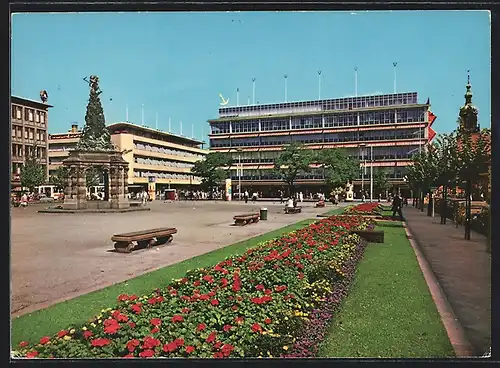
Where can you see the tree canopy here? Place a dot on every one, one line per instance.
(213, 170)
(291, 162)
(32, 173)
(58, 179)
(338, 167)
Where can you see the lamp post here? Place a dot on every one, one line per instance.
(362, 146)
(371, 173)
(239, 173)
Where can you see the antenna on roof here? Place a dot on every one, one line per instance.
(126, 114)
(181, 127)
(156, 126)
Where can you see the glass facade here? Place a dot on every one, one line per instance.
(409, 98)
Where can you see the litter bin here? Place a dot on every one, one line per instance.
(263, 214)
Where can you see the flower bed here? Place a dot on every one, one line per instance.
(370, 208)
(275, 300)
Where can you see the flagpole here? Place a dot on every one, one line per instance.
(192, 131)
(286, 88)
(169, 125)
(395, 64)
(142, 113)
(253, 91)
(356, 81)
(319, 84)
(126, 113)
(156, 124)
(237, 97)
(181, 128)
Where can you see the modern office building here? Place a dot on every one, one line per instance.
(393, 127)
(154, 156)
(29, 123)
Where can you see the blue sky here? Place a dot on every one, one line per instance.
(176, 64)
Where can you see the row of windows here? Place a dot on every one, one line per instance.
(29, 114)
(166, 151)
(316, 122)
(156, 136)
(335, 104)
(18, 151)
(269, 175)
(162, 175)
(157, 162)
(344, 137)
(29, 133)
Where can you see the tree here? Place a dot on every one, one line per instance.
(93, 176)
(380, 182)
(338, 167)
(424, 171)
(59, 178)
(32, 173)
(474, 161)
(95, 135)
(213, 170)
(291, 162)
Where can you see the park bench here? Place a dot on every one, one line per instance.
(242, 220)
(126, 243)
(371, 236)
(292, 210)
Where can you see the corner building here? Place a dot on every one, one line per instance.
(393, 127)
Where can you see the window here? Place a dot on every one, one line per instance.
(18, 112)
(42, 117)
(30, 114)
(19, 133)
(31, 134)
(25, 133)
(13, 132)
(37, 116)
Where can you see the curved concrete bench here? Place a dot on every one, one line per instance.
(127, 242)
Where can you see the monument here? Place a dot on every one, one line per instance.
(96, 152)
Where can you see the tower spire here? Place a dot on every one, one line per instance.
(468, 112)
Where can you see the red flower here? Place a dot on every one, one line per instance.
(150, 342)
(137, 308)
(204, 297)
(214, 302)
(260, 287)
(267, 291)
(146, 353)
(179, 341)
(173, 292)
(155, 321)
(177, 318)
(185, 310)
(300, 275)
(31, 354)
(256, 327)
(155, 330)
(227, 328)
(44, 340)
(62, 333)
(227, 349)
(201, 327)
(234, 307)
(196, 283)
(111, 326)
(23, 344)
(87, 334)
(100, 342)
(217, 345)
(189, 349)
(208, 278)
(170, 347)
(132, 297)
(218, 354)
(131, 324)
(132, 344)
(224, 282)
(267, 321)
(122, 297)
(211, 337)
(281, 288)
(129, 356)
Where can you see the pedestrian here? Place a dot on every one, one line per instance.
(396, 207)
(281, 197)
(301, 197)
(245, 196)
(254, 197)
(24, 201)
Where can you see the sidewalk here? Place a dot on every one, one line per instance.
(463, 270)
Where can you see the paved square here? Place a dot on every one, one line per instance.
(55, 257)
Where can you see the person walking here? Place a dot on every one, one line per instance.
(396, 207)
(245, 196)
(301, 197)
(24, 201)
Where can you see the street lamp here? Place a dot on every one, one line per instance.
(239, 173)
(362, 146)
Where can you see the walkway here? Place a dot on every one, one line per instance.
(463, 270)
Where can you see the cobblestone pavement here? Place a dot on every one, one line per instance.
(56, 257)
(463, 270)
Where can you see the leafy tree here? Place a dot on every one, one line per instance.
(424, 171)
(95, 135)
(58, 179)
(380, 182)
(338, 167)
(213, 170)
(32, 173)
(291, 162)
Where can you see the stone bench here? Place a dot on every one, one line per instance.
(249, 218)
(126, 243)
(371, 236)
(292, 210)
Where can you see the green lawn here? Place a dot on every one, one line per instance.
(33, 326)
(389, 311)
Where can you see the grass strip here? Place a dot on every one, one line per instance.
(389, 311)
(48, 321)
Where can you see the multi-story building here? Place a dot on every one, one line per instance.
(29, 122)
(393, 127)
(166, 157)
